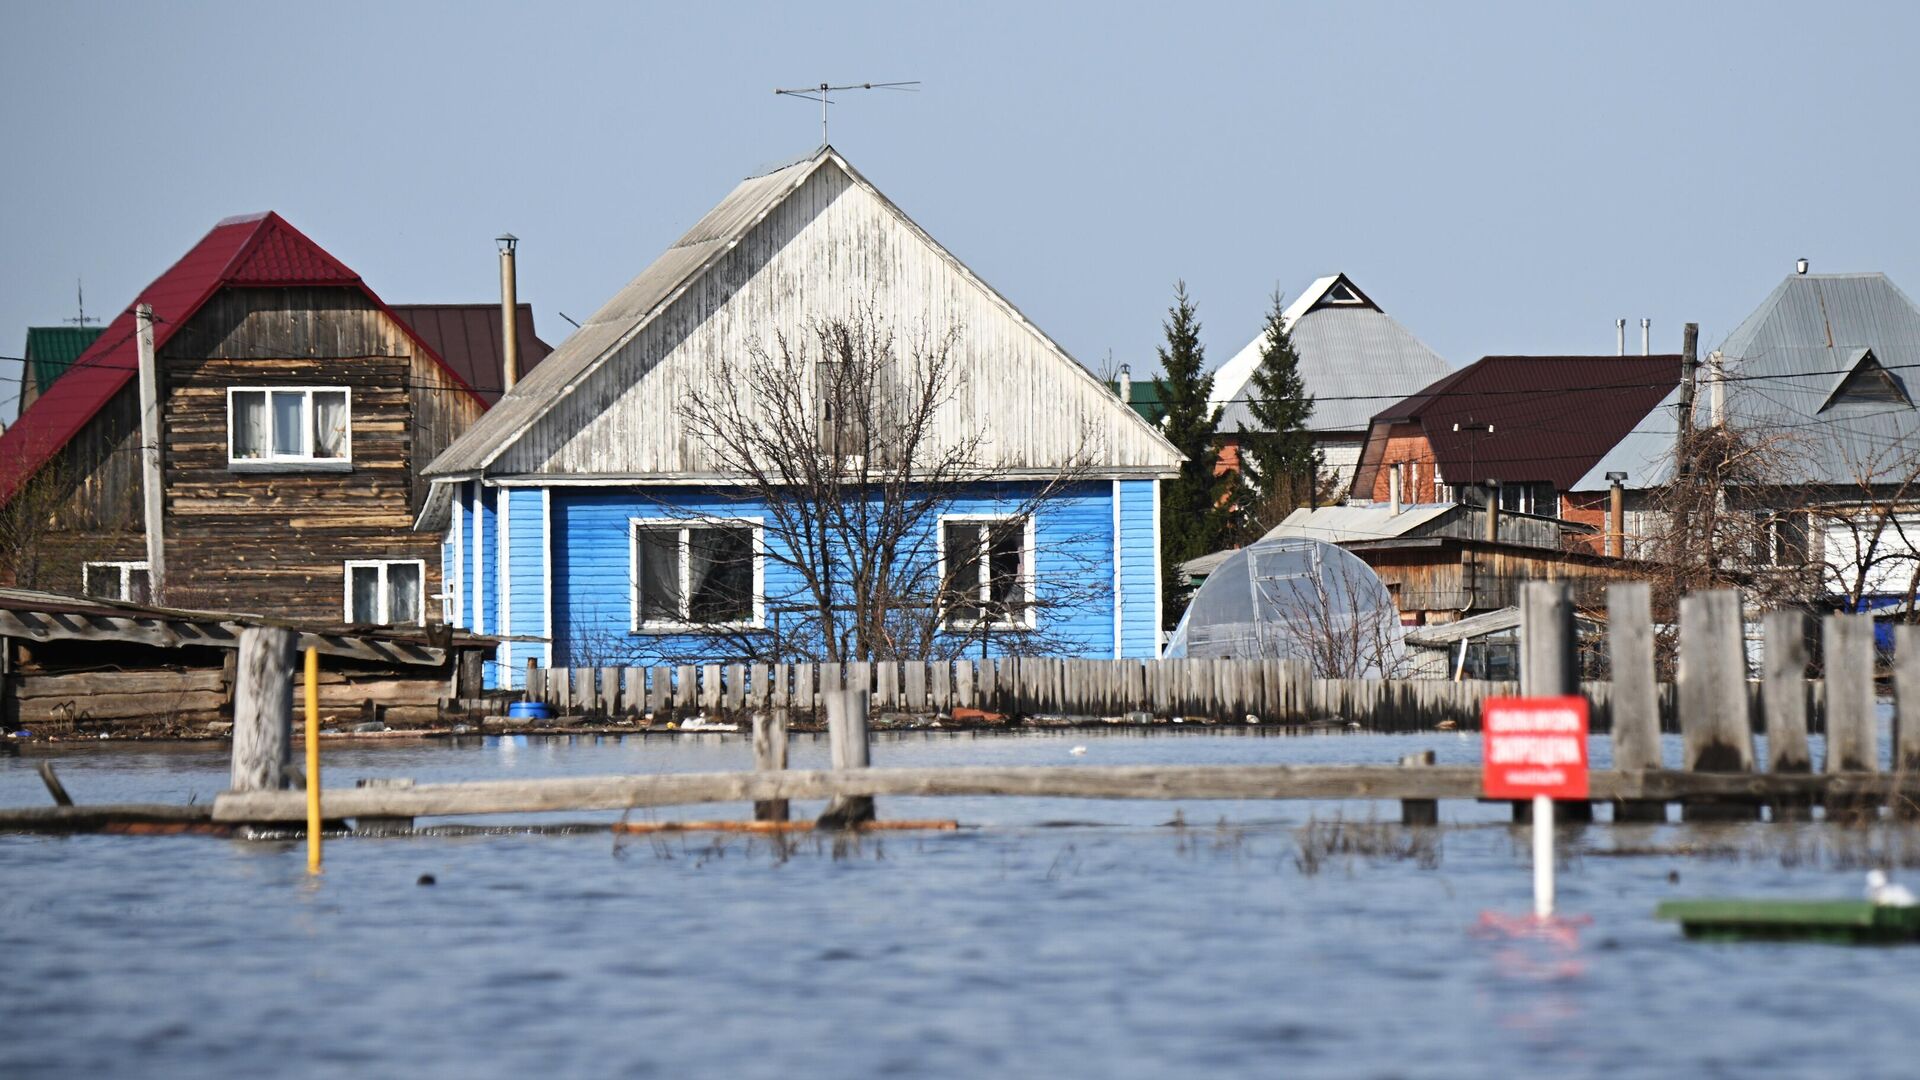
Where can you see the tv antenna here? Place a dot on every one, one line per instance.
(80, 297)
(822, 94)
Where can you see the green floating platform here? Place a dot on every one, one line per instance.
(1851, 922)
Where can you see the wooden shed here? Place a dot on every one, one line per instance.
(79, 666)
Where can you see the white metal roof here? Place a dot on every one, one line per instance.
(1354, 359)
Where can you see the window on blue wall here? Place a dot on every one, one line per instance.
(696, 574)
(987, 570)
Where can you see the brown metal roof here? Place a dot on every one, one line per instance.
(467, 337)
(1552, 416)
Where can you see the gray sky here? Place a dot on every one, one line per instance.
(1501, 178)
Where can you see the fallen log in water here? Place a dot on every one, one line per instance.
(107, 817)
(1191, 782)
(645, 828)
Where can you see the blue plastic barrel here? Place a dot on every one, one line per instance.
(530, 710)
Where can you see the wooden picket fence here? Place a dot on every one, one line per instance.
(1220, 691)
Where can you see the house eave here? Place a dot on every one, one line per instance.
(711, 479)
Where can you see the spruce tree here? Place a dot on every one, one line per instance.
(1194, 506)
(1279, 466)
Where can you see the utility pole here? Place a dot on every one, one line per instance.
(152, 503)
(1683, 435)
(1689, 376)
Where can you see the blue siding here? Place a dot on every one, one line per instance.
(1074, 545)
(1139, 559)
(487, 575)
(527, 590)
(447, 555)
(1073, 565)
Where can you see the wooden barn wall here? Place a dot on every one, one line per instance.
(100, 469)
(277, 543)
(442, 411)
(1442, 583)
(829, 251)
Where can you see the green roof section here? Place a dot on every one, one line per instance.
(51, 350)
(1144, 396)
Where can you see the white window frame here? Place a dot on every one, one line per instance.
(1028, 617)
(757, 621)
(304, 461)
(386, 598)
(124, 569)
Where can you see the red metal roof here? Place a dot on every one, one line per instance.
(1553, 417)
(467, 337)
(255, 251)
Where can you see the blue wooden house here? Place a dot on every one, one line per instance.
(583, 522)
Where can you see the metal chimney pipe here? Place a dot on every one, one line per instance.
(1393, 488)
(1619, 337)
(1617, 515)
(1646, 337)
(509, 314)
(1126, 385)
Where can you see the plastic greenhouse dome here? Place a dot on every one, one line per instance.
(1291, 598)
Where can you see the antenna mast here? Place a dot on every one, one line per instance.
(822, 94)
(80, 294)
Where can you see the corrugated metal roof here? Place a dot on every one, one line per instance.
(1552, 416)
(468, 339)
(622, 316)
(1782, 363)
(633, 308)
(1336, 525)
(1351, 354)
(259, 250)
(51, 350)
(1440, 635)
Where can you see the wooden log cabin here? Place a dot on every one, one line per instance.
(296, 412)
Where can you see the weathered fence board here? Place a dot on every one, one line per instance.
(1161, 782)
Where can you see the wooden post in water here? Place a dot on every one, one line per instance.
(1852, 746)
(1549, 666)
(1419, 811)
(736, 689)
(1714, 720)
(1847, 652)
(770, 755)
(660, 692)
(847, 745)
(263, 710)
(1906, 710)
(1634, 698)
(1783, 701)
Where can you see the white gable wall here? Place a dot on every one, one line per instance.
(826, 252)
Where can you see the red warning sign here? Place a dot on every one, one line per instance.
(1535, 746)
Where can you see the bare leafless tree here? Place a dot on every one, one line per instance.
(846, 439)
(47, 534)
(1868, 531)
(1330, 619)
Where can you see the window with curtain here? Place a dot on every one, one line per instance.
(129, 581)
(289, 427)
(694, 574)
(987, 563)
(386, 592)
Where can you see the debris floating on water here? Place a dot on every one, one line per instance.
(1884, 893)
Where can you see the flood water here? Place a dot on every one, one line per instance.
(1056, 939)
